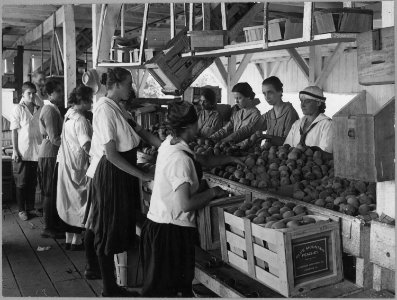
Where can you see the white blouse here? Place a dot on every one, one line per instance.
(320, 135)
(173, 168)
(109, 124)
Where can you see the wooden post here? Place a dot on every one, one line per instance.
(260, 70)
(266, 25)
(191, 16)
(221, 69)
(144, 29)
(307, 21)
(231, 70)
(315, 64)
(224, 16)
(122, 29)
(18, 71)
(186, 12)
(241, 68)
(172, 12)
(26, 65)
(69, 50)
(206, 8)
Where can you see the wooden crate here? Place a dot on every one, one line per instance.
(207, 39)
(293, 28)
(383, 256)
(355, 233)
(375, 56)
(352, 20)
(363, 143)
(207, 221)
(274, 257)
(279, 29)
(173, 72)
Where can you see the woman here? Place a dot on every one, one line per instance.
(114, 187)
(209, 119)
(314, 129)
(242, 123)
(276, 122)
(26, 140)
(51, 128)
(73, 161)
(169, 234)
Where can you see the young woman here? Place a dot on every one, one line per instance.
(26, 140)
(73, 161)
(276, 122)
(314, 129)
(50, 128)
(114, 187)
(209, 119)
(242, 123)
(169, 234)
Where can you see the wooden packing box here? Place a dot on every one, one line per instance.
(375, 56)
(383, 255)
(352, 20)
(291, 261)
(207, 39)
(364, 142)
(355, 233)
(208, 224)
(171, 71)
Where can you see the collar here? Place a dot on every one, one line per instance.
(35, 106)
(181, 146)
(112, 104)
(285, 108)
(319, 118)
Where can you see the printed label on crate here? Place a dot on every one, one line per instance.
(310, 257)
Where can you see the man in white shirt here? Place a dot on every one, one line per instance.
(26, 139)
(314, 129)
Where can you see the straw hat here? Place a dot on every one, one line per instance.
(91, 79)
(314, 93)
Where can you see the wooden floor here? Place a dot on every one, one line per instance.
(29, 272)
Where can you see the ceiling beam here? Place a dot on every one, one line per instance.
(330, 65)
(36, 33)
(299, 61)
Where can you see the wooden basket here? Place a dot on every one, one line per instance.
(290, 261)
(352, 20)
(207, 220)
(364, 146)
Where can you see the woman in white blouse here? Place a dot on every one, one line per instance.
(169, 234)
(314, 129)
(114, 187)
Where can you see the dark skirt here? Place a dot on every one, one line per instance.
(113, 194)
(168, 257)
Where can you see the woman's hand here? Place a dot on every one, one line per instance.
(219, 192)
(16, 156)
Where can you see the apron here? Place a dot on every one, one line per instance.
(72, 182)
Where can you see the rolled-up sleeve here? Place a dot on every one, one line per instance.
(105, 124)
(83, 131)
(181, 172)
(290, 137)
(15, 118)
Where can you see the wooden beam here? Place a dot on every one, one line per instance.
(348, 4)
(274, 71)
(186, 13)
(144, 29)
(307, 21)
(266, 25)
(142, 83)
(315, 64)
(35, 34)
(241, 68)
(122, 20)
(238, 27)
(26, 65)
(299, 61)
(330, 65)
(206, 9)
(260, 70)
(231, 70)
(172, 12)
(69, 50)
(224, 16)
(221, 68)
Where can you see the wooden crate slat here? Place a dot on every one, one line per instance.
(383, 245)
(235, 240)
(266, 234)
(268, 279)
(234, 221)
(268, 256)
(237, 261)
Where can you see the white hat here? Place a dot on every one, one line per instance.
(314, 93)
(91, 79)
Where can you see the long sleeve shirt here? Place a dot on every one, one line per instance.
(209, 121)
(241, 126)
(51, 129)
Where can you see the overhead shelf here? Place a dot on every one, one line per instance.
(259, 46)
(133, 65)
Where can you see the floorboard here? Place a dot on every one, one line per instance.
(10, 287)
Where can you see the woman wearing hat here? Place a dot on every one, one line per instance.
(243, 122)
(114, 187)
(209, 119)
(314, 129)
(169, 234)
(278, 121)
